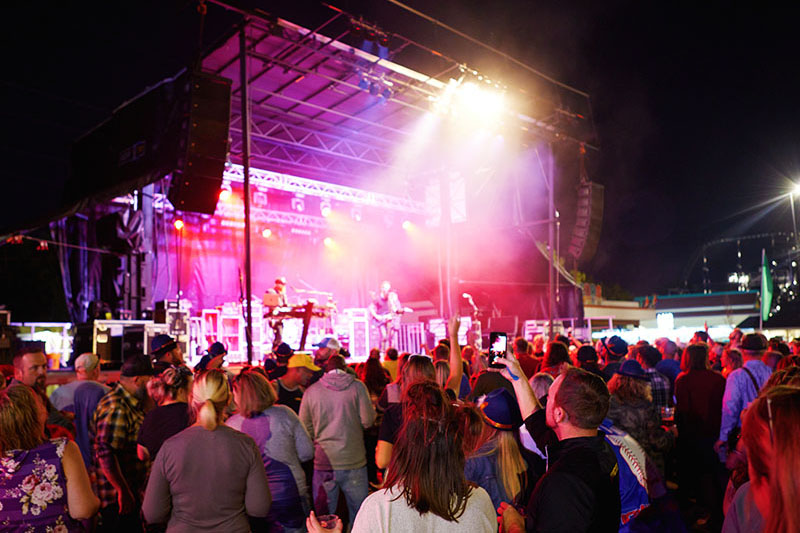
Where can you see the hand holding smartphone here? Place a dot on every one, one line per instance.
(498, 347)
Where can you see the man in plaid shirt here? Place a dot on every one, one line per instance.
(117, 473)
(648, 357)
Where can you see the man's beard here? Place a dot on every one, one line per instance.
(40, 384)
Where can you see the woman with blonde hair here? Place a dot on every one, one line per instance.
(284, 444)
(498, 464)
(44, 485)
(208, 477)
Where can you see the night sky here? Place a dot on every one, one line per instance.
(694, 104)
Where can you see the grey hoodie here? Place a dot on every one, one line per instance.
(335, 410)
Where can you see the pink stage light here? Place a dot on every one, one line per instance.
(266, 233)
(225, 195)
(178, 224)
(407, 225)
(328, 242)
(325, 211)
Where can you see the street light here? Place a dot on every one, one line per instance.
(795, 191)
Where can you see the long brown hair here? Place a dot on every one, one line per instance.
(21, 426)
(427, 465)
(769, 433)
(629, 390)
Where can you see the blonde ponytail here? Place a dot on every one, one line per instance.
(208, 415)
(210, 395)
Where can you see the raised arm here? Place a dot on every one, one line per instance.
(525, 396)
(456, 368)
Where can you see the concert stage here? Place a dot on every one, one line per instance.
(338, 165)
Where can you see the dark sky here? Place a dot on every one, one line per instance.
(695, 104)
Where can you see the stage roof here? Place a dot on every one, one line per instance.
(323, 108)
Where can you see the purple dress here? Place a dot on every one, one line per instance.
(33, 490)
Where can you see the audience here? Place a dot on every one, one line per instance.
(208, 477)
(648, 357)
(30, 369)
(44, 485)
(581, 462)
(605, 446)
(631, 408)
(87, 370)
(698, 411)
(170, 391)
(299, 371)
(284, 444)
(425, 488)
(117, 472)
(741, 388)
(500, 465)
(166, 352)
(390, 363)
(769, 434)
(335, 411)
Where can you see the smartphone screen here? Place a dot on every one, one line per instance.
(498, 345)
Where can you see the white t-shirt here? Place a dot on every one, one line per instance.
(382, 513)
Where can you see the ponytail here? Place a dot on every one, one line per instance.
(210, 396)
(208, 415)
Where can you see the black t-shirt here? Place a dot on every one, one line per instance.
(392, 420)
(161, 423)
(289, 398)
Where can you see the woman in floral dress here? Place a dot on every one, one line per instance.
(43, 483)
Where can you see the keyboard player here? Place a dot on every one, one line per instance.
(274, 299)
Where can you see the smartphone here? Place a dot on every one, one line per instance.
(498, 346)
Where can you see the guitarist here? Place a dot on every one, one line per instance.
(283, 301)
(385, 310)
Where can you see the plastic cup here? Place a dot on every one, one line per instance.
(328, 521)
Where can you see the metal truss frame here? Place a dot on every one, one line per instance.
(297, 185)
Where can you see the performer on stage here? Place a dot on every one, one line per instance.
(282, 301)
(385, 311)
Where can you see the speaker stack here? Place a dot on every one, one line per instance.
(203, 145)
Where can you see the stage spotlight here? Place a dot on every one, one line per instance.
(797, 189)
(407, 225)
(178, 224)
(266, 233)
(328, 242)
(225, 193)
(325, 209)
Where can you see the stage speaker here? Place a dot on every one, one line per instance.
(588, 221)
(203, 145)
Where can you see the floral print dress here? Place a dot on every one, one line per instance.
(33, 490)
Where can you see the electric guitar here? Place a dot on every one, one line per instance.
(386, 318)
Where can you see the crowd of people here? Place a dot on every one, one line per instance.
(558, 435)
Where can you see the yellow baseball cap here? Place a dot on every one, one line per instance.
(303, 360)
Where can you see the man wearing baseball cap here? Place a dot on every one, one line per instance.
(743, 384)
(166, 352)
(290, 386)
(87, 370)
(326, 347)
(612, 350)
(120, 475)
